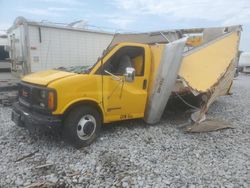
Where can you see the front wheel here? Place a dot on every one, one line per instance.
(82, 126)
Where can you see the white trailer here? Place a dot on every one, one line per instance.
(244, 62)
(36, 46)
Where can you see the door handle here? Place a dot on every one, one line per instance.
(144, 85)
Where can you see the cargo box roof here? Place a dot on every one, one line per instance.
(21, 21)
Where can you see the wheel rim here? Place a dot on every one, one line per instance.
(86, 127)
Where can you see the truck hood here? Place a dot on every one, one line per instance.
(46, 77)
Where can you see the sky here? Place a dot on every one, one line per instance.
(133, 15)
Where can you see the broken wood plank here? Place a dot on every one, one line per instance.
(44, 166)
(73, 174)
(208, 126)
(36, 184)
(27, 156)
(41, 184)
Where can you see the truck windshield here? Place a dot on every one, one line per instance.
(104, 53)
(76, 69)
(87, 68)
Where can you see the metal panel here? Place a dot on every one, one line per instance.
(210, 69)
(203, 66)
(165, 80)
(38, 46)
(63, 48)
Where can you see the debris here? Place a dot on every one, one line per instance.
(8, 89)
(44, 166)
(196, 117)
(73, 174)
(36, 184)
(41, 184)
(26, 156)
(8, 98)
(208, 126)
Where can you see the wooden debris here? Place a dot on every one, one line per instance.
(73, 174)
(41, 184)
(27, 156)
(36, 184)
(208, 126)
(44, 166)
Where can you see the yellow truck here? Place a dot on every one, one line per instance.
(133, 79)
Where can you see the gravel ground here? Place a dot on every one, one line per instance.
(132, 154)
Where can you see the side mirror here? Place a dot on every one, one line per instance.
(129, 74)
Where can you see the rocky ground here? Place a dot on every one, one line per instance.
(133, 154)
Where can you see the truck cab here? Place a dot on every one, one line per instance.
(114, 89)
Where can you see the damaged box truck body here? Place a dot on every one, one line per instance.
(134, 79)
(207, 65)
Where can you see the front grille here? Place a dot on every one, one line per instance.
(29, 96)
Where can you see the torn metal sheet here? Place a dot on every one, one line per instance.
(210, 69)
(221, 88)
(203, 66)
(165, 80)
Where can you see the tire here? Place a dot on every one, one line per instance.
(81, 126)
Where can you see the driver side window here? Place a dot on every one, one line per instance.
(129, 56)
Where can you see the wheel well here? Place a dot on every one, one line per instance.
(80, 103)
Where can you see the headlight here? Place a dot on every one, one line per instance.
(47, 99)
(42, 100)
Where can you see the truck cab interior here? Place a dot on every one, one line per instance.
(129, 56)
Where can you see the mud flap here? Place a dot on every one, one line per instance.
(165, 81)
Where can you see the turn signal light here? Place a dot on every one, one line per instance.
(51, 100)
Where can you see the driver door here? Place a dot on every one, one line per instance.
(126, 100)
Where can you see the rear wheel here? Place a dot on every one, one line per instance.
(82, 126)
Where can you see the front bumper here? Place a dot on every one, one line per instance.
(24, 117)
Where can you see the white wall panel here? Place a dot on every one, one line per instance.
(60, 47)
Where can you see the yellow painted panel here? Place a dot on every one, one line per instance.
(123, 101)
(202, 67)
(45, 77)
(77, 88)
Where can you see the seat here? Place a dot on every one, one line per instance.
(124, 62)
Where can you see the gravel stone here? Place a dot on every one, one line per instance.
(52, 178)
(134, 154)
